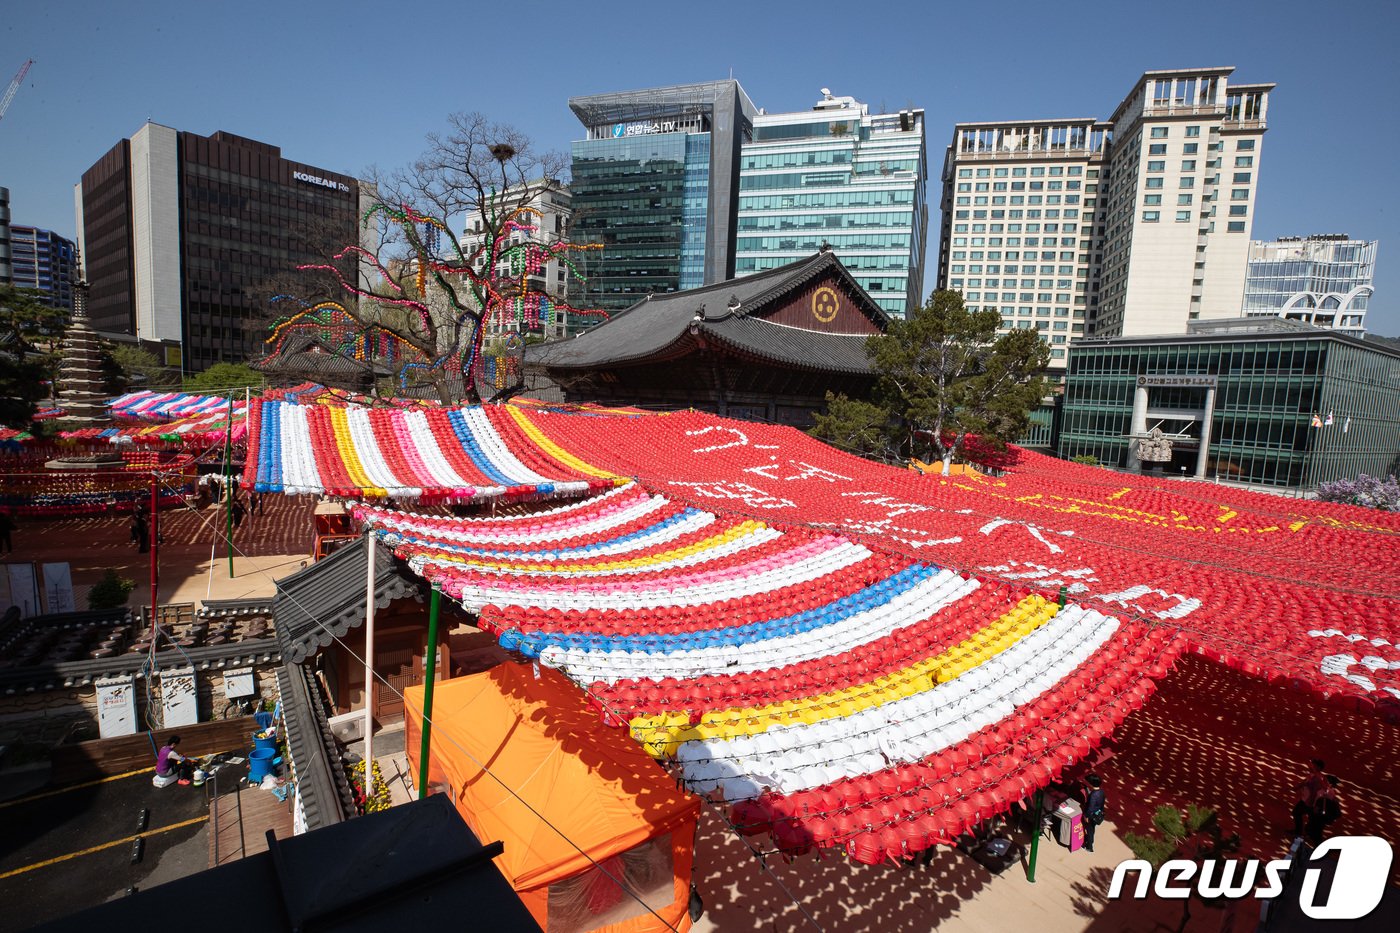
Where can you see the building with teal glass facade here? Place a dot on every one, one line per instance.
(654, 182)
(1278, 403)
(838, 176)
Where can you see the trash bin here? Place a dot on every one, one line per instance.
(264, 742)
(260, 764)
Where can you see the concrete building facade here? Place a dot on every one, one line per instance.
(841, 177)
(553, 202)
(177, 231)
(44, 260)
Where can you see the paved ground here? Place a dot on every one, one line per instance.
(277, 540)
(65, 850)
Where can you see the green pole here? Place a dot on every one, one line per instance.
(228, 485)
(1064, 596)
(429, 670)
(1035, 834)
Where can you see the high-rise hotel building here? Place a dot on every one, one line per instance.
(839, 176)
(1134, 225)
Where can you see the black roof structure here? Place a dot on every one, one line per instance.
(326, 599)
(413, 866)
(662, 327)
(326, 796)
(302, 357)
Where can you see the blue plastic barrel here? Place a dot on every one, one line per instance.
(269, 742)
(260, 764)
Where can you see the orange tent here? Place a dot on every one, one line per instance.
(622, 815)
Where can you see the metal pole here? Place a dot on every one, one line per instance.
(1035, 834)
(429, 671)
(155, 545)
(369, 662)
(228, 485)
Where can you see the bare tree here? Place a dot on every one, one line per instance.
(434, 296)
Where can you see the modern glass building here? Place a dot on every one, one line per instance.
(838, 176)
(654, 181)
(44, 260)
(177, 232)
(1279, 403)
(1323, 280)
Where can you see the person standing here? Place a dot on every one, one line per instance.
(140, 531)
(1308, 793)
(7, 528)
(1327, 809)
(1094, 803)
(238, 512)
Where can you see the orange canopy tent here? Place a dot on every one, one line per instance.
(601, 807)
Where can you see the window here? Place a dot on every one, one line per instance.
(984, 173)
(1151, 216)
(1239, 210)
(1183, 199)
(1190, 149)
(964, 173)
(1242, 178)
(1157, 149)
(1192, 131)
(999, 173)
(1157, 166)
(1244, 161)
(1187, 183)
(1245, 145)
(1152, 199)
(1188, 165)
(1018, 172)
(1159, 132)
(1239, 194)
(1183, 216)
(1236, 226)
(1154, 182)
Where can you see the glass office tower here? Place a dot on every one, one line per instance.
(840, 176)
(1324, 280)
(654, 183)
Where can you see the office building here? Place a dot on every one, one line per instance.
(655, 180)
(1134, 225)
(838, 176)
(178, 232)
(1324, 280)
(1277, 403)
(549, 202)
(4, 236)
(43, 260)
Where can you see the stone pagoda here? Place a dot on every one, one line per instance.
(82, 392)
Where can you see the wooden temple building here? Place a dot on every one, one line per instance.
(767, 347)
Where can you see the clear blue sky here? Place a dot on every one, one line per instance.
(348, 85)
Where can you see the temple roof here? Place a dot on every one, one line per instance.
(731, 314)
(303, 355)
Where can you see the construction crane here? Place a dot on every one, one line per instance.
(13, 89)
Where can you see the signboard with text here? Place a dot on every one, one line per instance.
(1182, 382)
